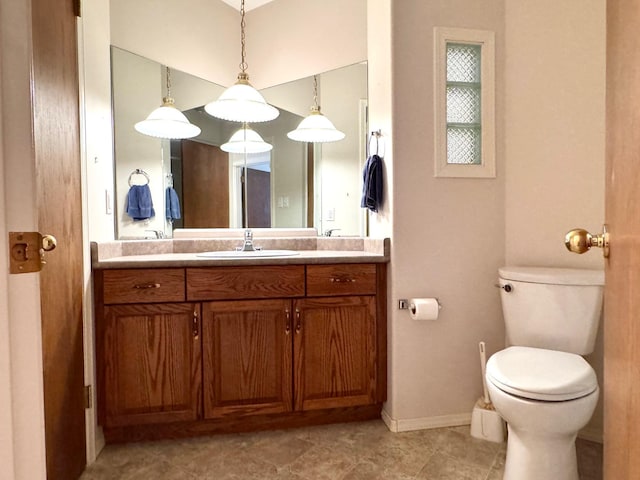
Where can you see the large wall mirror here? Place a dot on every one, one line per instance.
(294, 185)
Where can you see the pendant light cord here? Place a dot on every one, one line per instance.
(315, 93)
(243, 63)
(168, 73)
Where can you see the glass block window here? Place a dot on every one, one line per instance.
(464, 140)
(464, 113)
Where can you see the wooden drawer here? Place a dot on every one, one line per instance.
(152, 285)
(344, 279)
(229, 283)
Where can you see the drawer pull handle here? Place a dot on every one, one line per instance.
(146, 286)
(343, 280)
(195, 328)
(287, 328)
(298, 321)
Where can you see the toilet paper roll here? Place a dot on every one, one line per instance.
(424, 308)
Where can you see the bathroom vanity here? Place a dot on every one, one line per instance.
(187, 345)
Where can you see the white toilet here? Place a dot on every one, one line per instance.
(540, 384)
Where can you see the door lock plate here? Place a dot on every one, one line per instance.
(26, 252)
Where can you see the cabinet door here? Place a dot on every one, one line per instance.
(247, 357)
(153, 363)
(334, 352)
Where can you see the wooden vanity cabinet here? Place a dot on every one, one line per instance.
(334, 352)
(152, 363)
(186, 351)
(247, 357)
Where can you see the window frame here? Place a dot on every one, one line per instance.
(485, 39)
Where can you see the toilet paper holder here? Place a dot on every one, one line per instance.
(404, 304)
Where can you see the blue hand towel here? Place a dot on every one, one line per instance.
(372, 184)
(172, 205)
(139, 205)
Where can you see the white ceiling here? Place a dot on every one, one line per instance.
(248, 4)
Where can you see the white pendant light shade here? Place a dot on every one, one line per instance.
(316, 128)
(246, 140)
(242, 103)
(167, 121)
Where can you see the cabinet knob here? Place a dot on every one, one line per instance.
(298, 321)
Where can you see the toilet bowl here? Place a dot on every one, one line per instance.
(545, 397)
(540, 384)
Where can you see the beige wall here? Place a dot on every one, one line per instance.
(20, 373)
(202, 37)
(95, 87)
(448, 234)
(555, 81)
(189, 35)
(555, 135)
(291, 39)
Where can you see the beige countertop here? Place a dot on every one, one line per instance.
(185, 252)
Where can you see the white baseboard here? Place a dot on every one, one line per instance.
(443, 421)
(423, 423)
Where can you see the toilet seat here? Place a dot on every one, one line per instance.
(540, 374)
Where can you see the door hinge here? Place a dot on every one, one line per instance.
(88, 397)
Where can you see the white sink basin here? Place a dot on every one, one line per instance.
(253, 254)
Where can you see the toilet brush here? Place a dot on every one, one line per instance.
(486, 423)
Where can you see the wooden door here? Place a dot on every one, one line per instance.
(59, 203)
(622, 286)
(205, 186)
(153, 363)
(247, 357)
(334, 352)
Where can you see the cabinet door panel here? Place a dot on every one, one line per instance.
(247, 357)
(153, 363)
(335, 352)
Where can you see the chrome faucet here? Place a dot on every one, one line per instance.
(156, 233)
(330, 231)
(247, 246)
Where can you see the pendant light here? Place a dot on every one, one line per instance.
(167, 121)
(246, 140)
(316, 128)
(242, 102)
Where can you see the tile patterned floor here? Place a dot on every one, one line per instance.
(352, 451)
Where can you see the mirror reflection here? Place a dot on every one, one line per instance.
(293, 185)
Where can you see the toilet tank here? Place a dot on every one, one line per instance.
(553, 308)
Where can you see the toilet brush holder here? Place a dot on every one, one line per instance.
(486, 423)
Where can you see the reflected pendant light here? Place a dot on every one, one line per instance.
(246, 140)
(167, 121)
(316, 128)
(241, 102)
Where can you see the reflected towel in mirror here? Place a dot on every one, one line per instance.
(172, 205)
(139, 205)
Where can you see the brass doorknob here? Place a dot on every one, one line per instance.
(49, 242)
(579, 240)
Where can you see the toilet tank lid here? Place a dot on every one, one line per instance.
(552, 275)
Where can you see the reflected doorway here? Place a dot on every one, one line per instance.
(256, 198)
